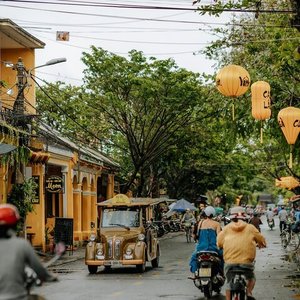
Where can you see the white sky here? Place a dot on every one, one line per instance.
(157, 32)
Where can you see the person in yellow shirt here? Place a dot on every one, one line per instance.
(239, 240)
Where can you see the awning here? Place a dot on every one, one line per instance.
(39, 157)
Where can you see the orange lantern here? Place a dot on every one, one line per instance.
(233, 81)
(261, 102)
(288, 182)
(289, 121)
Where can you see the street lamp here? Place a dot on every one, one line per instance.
(53, 61)
(22, 75)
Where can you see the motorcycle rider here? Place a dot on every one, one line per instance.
(238, 240)
(207, 237)
(283, 218)
(15, 254)
(270, 216)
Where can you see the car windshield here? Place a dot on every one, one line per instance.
(121, 217)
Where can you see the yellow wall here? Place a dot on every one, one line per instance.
(10, 76)
(36, 219)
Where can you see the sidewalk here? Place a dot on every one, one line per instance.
(275, 270)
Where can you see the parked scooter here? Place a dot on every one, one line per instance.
(271, 223)
(31, 278)
(208, 277)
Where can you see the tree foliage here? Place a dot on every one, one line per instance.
(265, 44)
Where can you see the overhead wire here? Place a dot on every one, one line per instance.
(64, 111)
(147, 7)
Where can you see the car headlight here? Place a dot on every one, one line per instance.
(100, 252)
(128, 251)
(141, 237)
(92, 237)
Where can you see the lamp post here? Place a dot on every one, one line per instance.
(21, 120)
(22, 75)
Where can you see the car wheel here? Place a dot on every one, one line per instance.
(141, 268)
(93, 269)
(155, 261)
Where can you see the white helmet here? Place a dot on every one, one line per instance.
(209, 211)
(238, 212)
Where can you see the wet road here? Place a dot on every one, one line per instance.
(275, 276)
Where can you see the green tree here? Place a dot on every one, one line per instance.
(265, 45)
(148, 104)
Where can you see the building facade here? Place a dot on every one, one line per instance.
(70, 179)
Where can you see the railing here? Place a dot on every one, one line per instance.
(6, 114)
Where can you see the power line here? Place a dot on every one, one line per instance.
(148, 7)
(64, 111)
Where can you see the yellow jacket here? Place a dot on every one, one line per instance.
(239, 240)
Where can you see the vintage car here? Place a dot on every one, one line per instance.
(125, 234)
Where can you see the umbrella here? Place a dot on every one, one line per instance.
(182, 205)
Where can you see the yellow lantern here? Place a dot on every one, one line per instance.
(261, 102)
(233, 81)
(288, 182)
(289, 121)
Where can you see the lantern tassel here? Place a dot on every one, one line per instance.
(291, 160)
(261, 133)
(233, 116)
(291, 157)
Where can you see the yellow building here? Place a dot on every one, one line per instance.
(70, 179)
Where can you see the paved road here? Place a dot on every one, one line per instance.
(275, 276)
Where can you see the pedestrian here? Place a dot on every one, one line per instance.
(15, 254)
(283, 217)
(238, 240)
(256, 221)
(207, 238)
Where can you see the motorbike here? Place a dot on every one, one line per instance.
(31, 278)
(271, 223)
(175, 225)
(208, 277)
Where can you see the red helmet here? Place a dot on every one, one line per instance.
(9, 215)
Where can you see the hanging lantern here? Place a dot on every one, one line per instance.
(261, 102)
(233, 81)
(289, 121)
(288, 182)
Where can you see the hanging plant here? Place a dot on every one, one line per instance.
(9, 134)
(16, 157)
(21, 196)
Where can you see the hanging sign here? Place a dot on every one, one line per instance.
(36, 199)
(54, 184)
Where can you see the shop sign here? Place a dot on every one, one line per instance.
(36, 199)
(54, 184)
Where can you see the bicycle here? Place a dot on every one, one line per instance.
(238, 284)
(289, 239)
(188, 231)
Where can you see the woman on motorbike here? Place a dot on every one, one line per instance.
(207, 237)
(15, 254)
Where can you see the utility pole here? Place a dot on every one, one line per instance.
(19, 105)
